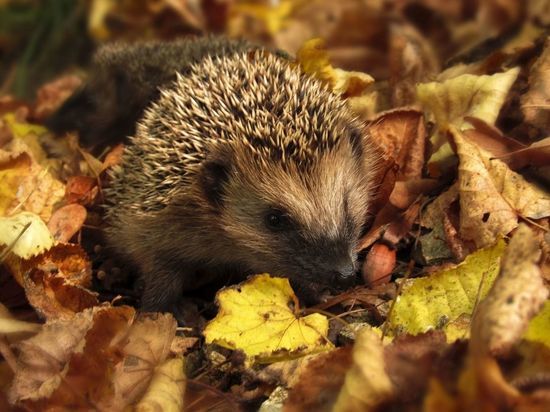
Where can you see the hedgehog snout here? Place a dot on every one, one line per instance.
(343, 276)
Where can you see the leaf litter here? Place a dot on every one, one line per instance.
(458, 109)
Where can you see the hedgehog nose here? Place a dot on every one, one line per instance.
(344, 276)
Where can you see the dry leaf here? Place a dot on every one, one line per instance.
(535, 104)
(401, 135)
(25, 235)
(67, 221)
(68, 362)
(167, 389)
(367, 383)
(492, 196)
(516, 296)
(379, 264)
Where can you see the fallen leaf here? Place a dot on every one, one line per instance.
(431, 302)
(515, 297)
(67, 221)
(314, 60)
(81, 189)
(25, 235)
(261, 318)
(166, 391)
(13, 170)
(452, 100)
(316, 386)
(401, 134)
(538, 330)
(492, 196)
(366, 384)
(68, 361)
(146, 349)
(535, 103)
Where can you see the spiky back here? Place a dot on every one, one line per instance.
(255, 99)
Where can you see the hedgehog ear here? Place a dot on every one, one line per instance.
(213, 177)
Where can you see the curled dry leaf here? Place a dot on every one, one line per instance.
(366, 384)
(516, 296)
(401, 135)
(50, 96)
(67, 221)
(56, 282)
(166, 391)
(261, 317)
(81, 189)
(492, 196)
(69, 361)
(316, 387)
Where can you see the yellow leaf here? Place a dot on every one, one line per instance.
(430, 302)
(12, 173)
(466, 95)
(167, 389)
(492, 195)
(539, 327)
(366, 384)
(314, 61)
(26, 234)
(260, 317)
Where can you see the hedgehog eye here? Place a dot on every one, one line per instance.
(275, 220)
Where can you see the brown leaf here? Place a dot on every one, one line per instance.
(69, 362)
(492, 196)
(516, 296)
(67, 221)
(319, 383)
(401, 135)
(535, 104)
(51, 95)
(81, 189)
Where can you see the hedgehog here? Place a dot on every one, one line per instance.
(242, 164)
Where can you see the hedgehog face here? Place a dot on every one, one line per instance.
(292, 220)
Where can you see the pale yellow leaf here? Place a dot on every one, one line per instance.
(26, 234)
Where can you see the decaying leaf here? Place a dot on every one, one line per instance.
(516, 296)
(261, 318)
(146, 350)
(367, 383)
(430, 302)
(56, 281)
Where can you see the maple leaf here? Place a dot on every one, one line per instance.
(260, 317)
